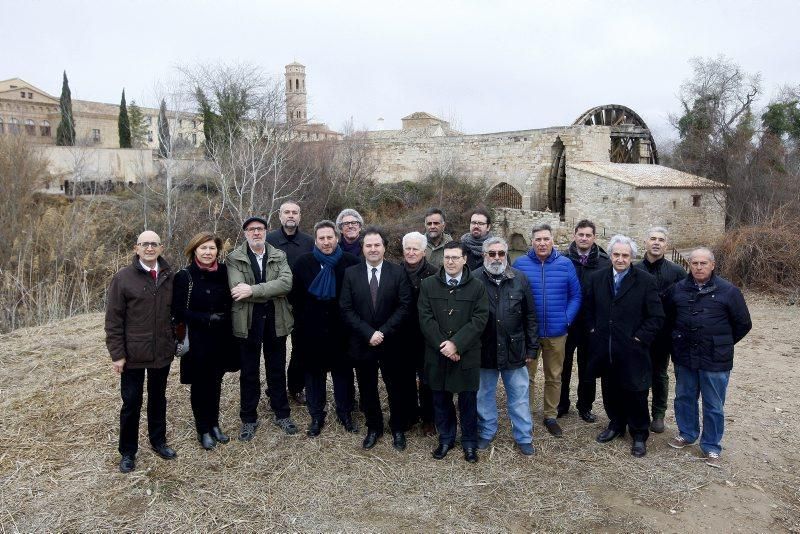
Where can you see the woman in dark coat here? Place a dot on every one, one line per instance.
(319, 331)
(202, 301)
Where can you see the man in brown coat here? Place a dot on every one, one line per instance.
(139, 337)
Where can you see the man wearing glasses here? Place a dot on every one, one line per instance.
(480, 222)
(260, 280)
(349, 222)
(140, 341)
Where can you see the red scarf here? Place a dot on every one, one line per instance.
(213, 268)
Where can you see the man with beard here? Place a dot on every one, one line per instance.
(434, 232)
(294, 244)
(507, 344)
(413, 344)
(321, 334)
(666, 273)
(480, 224)
(587, 257)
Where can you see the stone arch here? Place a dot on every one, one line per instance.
(631, 139)
(517, 242)
(504, 195)
(557, 183)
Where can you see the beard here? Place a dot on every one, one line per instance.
(495, 267)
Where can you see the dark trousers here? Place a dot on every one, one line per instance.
(295, 377)
(587, 385)
(250, 377)
(424, 399)
(399, 380)
(625, 408)
(444, 413)
(659, 357)
(204, 396)
(316, 383)
(132, 392)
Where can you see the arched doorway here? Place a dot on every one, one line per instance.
(556, 185)
(504, 195)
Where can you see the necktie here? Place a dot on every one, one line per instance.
(617, 282)
(153, 274)
(453, 282)
(373, 287)
(584, 259)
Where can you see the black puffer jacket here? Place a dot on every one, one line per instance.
(706, 323)
(511, 332)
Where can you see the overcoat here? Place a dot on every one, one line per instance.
(411, 341)
(138, 321)
(211, 344)
(622, 326)
(459, 315)
(320, 333)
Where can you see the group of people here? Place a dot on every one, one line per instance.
(440, 329)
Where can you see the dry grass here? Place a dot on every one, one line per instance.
(58, 464)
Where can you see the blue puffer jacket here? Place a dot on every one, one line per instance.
(556, 291)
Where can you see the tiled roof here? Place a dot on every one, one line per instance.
(645, 176)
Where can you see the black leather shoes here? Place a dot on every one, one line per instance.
(206, 441)
(127, 464)
(639, 448)
(562, 412)
(657, 425)
(441, 451)
(589, 417)
(372, 439)
(399, 441)
(471, 455)
(349, 425)
(315, 427)
(553, 428)
(219, 435)
(608, 434)
(165, 452)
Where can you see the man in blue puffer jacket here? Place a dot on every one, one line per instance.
(557, 293)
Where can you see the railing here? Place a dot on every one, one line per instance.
(678, 258)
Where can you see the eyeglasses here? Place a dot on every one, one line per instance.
(149, 244)
(496, 253)
(478, 223)
(453, 258)
(255, 229)
(350, 223)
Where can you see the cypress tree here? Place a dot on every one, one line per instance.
(209, 120)
(164, 145)
(65, 134)
(124, 124)
(137, 125)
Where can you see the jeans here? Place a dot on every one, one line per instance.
(515, 382)
(132, 392)
(552, 356)
(712, 385)
(444, 413)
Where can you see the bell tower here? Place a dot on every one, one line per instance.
(296, 110)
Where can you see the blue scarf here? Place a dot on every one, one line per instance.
(324, 285)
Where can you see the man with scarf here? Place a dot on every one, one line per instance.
(320, 333)
(480, 224)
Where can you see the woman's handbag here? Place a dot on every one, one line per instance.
(182, 329)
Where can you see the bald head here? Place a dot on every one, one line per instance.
(148, 248)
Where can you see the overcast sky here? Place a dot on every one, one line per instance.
(487, 65)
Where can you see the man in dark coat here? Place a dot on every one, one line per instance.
(453, 310)
(140, 340)
(412, 343)
(294, 244)
(709, 316)
(508, 343)
(666, 274)
(624, 314)
(319, 331)
(587, 257)
(374, 303)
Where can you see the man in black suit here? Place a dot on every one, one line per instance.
(375, 298)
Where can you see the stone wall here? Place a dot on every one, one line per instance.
(515, 226)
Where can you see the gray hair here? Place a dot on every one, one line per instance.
(416, 236)
(702, 249)
(660, 230)
(541, 227)
(493, 241)
(623, 240)
(352, 213)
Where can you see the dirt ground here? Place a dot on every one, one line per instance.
(59, 405)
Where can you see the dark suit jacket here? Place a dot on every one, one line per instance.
(362, 319)
(616, 322)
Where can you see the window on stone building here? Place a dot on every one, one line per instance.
(149, 136)
(194, 139)
(44, 128)
(696, 201)
(95, 135)
(30, 96)
(194, 124)
(13, 128)
(2, 126)
(30, 127)
(180, 123)
(674, 204)
(22, 94)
